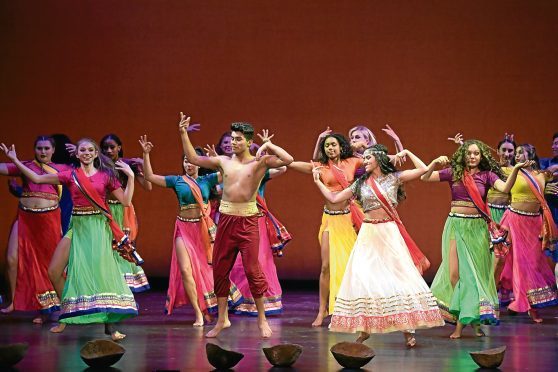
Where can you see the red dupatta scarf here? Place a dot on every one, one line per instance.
(357, 216)
(276, 231)
(208, 228)
(121, 242)
(549, 233)
(419, 259)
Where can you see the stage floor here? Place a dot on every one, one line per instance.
(159, 342)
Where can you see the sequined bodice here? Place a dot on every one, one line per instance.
(389, 184)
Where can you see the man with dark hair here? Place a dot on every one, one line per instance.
(238, 224)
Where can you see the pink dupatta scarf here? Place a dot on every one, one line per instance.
(419, 259)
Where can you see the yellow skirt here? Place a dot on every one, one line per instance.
(342, 237)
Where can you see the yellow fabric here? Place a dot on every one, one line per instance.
(493, 193)
(521, 192)
(342, 237)
(239, 209)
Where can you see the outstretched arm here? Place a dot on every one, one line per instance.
(330, 196)
(188, 148)
(431, 175)
(412, 174)
(147, 170)
(505, 187)
(301, 166)
(51, 179)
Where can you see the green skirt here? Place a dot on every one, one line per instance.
(474, 298)
(95, 291)
(133, 274)
(497, 214)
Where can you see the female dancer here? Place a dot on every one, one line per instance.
(527, 280)
(273, 237)
(497, 201)
(337, 234)
(382, 290)
(464, 284)
(190, 271)
(111, 146)
(95, 291)
(34, 235)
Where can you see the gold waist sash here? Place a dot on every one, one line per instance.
(38, 210)
(239, 209)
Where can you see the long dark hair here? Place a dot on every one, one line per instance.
(61, 155)
(380, 153)
(531, 153)
(344, 148)
(487, 162)
(115, 138)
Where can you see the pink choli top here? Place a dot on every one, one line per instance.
(101, 183)
(483, 179)
(31, 189)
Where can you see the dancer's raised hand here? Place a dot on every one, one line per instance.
(146, 146)
(265, 137)
(525, 164)
(124, 168)
(325, 133)
(194, 127)
(457, 139)
(70, 149)
(210, 150)
(9, 151)
(261, 150)
(391, 133)
(442, 161)
(184, 123)
(399, 158)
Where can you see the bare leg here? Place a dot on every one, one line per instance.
(188, 279)
(458, 330)
(222, 320)
(453, 264)
(12, 261)
(114, 334)
(478, 331)
(58, 263)
(498, 267)
(265, 330)
(324, 282)
(534, 314)
(363, 337)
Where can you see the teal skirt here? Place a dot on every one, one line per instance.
(95, 290)
(497, 213)
(133, 274)
(474, 298)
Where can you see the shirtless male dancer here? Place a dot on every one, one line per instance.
(237, 230)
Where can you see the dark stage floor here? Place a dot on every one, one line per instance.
(159, 342)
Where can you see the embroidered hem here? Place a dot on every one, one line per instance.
(137, 282)
(102, 302)
(49, 302)
(385, 324)
(272, 306)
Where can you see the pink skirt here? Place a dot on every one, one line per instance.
(202, 272)
(272, 297)
(526, 280)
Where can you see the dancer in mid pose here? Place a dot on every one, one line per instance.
(464, 284)
(95, 291)
(190, 272)
(238, 225)
(35, 234)
(382, 289)
(337, 234)
(527, 282)
(111, 146)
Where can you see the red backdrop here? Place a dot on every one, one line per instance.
(428, 68)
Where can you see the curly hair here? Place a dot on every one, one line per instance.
(380, 153)
(487, 162)
(344, 148)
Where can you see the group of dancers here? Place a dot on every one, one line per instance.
(496, 242)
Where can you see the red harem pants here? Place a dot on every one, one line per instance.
(237, 234)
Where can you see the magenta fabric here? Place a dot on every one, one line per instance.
(27, 186)
(101, 183)
(484, 180)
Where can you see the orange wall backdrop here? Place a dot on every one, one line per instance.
(429, 68)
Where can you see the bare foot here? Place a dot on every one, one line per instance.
(534, 314)
(207, 318)
(38, 320)
(198, 322)
(265, 331)
(117, 336)
(363, 337)
(8, 309)
(319, 319)
(478, 331)
(59, 328)
(410, 340)
(218, 328)
(455, 335)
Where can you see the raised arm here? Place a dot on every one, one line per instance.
(125, 197)
(51, 179)
(330, 196)
(301, 166)
(278, 157)
(316, 154)
(505, 187)
(391, 133)
(431, 175)
(147, 146)
(411, 174)
(188, 148)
